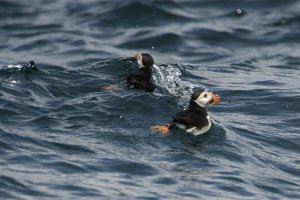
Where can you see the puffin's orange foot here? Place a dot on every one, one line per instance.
(162, 129)
(109, 87)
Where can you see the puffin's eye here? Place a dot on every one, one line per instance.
(205, 95)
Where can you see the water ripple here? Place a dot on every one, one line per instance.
(62, 136)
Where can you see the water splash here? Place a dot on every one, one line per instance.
(168, 78)
(160, 77)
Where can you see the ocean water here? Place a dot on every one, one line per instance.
(63, 137)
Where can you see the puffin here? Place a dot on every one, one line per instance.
(142, 79)
(30, 66)
(194, 119)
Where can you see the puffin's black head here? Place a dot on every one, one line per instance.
(202, 98)
(196, 94)
(144, 60)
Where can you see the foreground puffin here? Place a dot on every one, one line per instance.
(142, 79)
(195, 119)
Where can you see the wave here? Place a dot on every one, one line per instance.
(134, 13)
(164, 42)
(59, 128)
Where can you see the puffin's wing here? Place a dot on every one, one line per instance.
(139, 82)
(184, 118)
(132, 79)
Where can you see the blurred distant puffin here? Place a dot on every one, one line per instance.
(195, 119)
(30, 66)
(142, 79)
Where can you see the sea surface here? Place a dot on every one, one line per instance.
(63, 137)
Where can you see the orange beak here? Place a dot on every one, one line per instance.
(215, 99)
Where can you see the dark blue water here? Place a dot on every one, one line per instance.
(62, 137)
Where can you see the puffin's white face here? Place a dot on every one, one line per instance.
(139, 58)
(204, 98)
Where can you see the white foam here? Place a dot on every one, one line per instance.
(159, 72)
(168, 78)
(17, 66)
